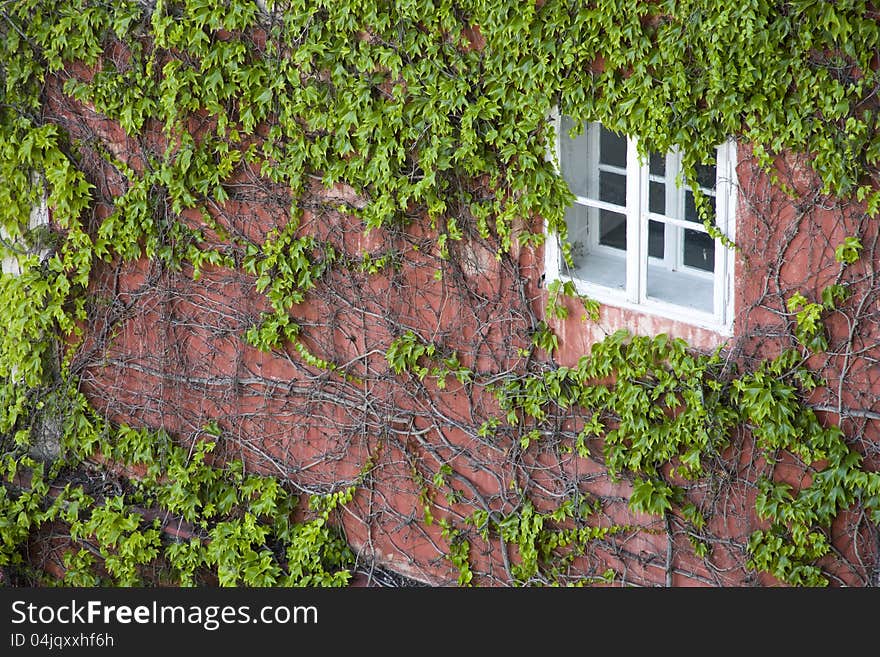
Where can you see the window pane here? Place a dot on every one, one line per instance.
(577, 219)
(656, 239)
(690, 207)
(657, 197)
(699, 250)
(612, 229)
(681, 288)
(574, 159)
(657, 164)
(706, 175)
(612, 188)
(613, 148)
(605, 268)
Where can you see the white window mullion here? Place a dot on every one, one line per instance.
(674, 253)
(720, 296)
(644, 232)
(636, 238)
(724, 259)
(593, 154)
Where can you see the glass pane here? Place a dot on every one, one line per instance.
(574, 158)
(690, 207)
(612, 229)
(612, 188)
(613, 148)
(656, 239)
(681, 288)
(657, 164)
(605, 268)
(577, 219)
(706, 175)
(699, 250)
(657, 197)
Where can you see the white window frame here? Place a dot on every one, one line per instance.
(635, 296)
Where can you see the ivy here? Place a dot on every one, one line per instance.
(244, 533)
(544, 542)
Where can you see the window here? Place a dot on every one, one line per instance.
(636, 237)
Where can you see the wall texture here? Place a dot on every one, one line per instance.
(167, 351)
(403, 342)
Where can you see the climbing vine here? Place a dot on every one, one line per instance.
(287, 325)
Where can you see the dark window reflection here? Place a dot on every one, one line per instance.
(657, 198)
(612, 188)
(612, 229)
(612, 148)
(656, 239)
(657, 164)
(699, 250)
(706, 175)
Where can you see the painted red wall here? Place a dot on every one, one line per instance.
(164, 350)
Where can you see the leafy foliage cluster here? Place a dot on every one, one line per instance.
(434, 115)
